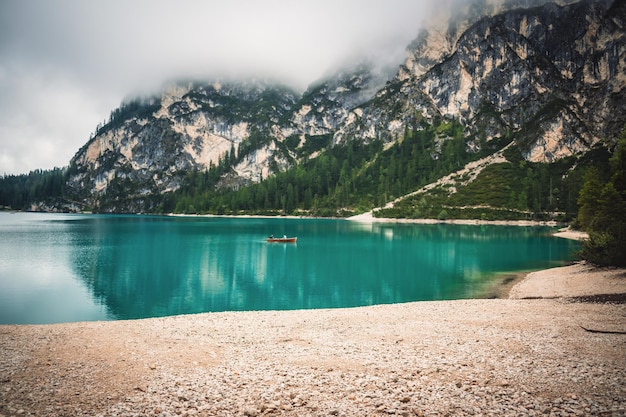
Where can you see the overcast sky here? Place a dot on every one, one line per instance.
(65, 64)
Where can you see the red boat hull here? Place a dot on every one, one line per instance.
(282, 239)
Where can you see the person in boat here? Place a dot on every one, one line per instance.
(271, 236)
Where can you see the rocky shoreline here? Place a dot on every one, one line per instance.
(516, 356)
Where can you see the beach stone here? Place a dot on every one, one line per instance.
(251, 412)
(495, 357)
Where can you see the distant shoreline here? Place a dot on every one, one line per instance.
(365, 218)
(362, 218)
(369, 218)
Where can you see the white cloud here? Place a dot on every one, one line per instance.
(65, 64)
(45, 118)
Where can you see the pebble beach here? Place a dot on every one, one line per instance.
(555, 346)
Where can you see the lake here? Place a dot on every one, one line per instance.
(72, 267)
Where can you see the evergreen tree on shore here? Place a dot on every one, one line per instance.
(602, 211)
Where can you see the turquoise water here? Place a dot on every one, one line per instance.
(62, 268)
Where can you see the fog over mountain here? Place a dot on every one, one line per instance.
(65, 64)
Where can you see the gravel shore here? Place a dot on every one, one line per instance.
(515, 357)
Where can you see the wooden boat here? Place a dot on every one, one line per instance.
(282, 239)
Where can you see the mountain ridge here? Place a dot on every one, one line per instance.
(547, 78)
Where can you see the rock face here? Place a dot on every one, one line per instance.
(326, 105)
(148, 146)
(551, 77)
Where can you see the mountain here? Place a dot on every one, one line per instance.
(522, 82)
(256, 127)
(326, 105)
(551, 75)
(148, 145)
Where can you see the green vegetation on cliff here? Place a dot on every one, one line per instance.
(343, 180)
(511, 190)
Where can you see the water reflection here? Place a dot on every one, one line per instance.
(144, 266)
(37, 284)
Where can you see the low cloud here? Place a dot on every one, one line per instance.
(65, 64)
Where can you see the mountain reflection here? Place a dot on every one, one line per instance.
(142, 266)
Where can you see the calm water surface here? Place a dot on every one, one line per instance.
(62, 268)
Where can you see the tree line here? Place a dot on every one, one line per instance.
(343, 179)
(512, 190)
(602, 213)
(355, 177)
(18, 192)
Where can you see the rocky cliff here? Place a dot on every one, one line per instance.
(258, 127)
(550, 77)
(145, 152)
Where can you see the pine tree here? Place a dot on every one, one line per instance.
(602, 212)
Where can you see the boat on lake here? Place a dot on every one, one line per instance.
(283, 239)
